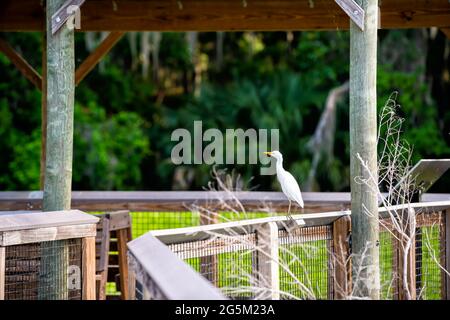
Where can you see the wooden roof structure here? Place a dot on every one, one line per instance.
(224, 15)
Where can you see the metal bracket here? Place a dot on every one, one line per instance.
(60, 17)
(353, 10)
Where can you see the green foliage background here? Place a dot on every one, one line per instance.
(124, 118)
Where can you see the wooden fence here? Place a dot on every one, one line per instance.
(181, 200)
(245, 258)
(332, 237)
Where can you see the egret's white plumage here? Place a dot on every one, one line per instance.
(289, 185)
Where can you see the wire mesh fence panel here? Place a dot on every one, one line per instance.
(305, 264)
(229, 262)
(146, 221)
(429, 253)
(46, 270)
(388, 265)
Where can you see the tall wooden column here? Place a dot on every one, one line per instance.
(43, 110)
(363, 141)
(60, 104)
(60, 82)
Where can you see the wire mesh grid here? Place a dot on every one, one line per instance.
(44, 271)
(305, 269)
(228, 262)
(430, 254)
(146, 221)
(388, 263)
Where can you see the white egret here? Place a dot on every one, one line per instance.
(287, 181)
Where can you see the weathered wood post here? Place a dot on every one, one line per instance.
(60, 104)
(363, 141)
(58, 161)
(267, 272)
(341, 264)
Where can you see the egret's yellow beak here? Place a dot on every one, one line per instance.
(268, 153)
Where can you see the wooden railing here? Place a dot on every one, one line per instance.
(206, 249)
(157, 273)
(182, 200)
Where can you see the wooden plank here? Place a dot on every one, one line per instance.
(104, 245)
(176, 201)
(179, 235)
(164, 201)
(2, 272)
(94, 58)
(209, 265)
(122, 239)
(341, 259)
(131, 282)
(10, 238)
(43, 110)
(446, 31)
(88, 268)
(226, 15)
(268, 271)
(21, 64)
(165, 275)
(10, 221)
(119, 220)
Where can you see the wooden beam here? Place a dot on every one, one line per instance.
(224, 15)
(363, 144)
(122, 239)
(446, 31)
(94, 58)
(165, 201)
(43, 111)
(88, 268)
(21, 64)
(209, 265)
(342, 273)
(11, 238)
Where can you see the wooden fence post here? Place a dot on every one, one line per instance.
(267, 272)
(209, 265)
(363, 143)
(88, 269)
(341, 263)
(131, 281)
